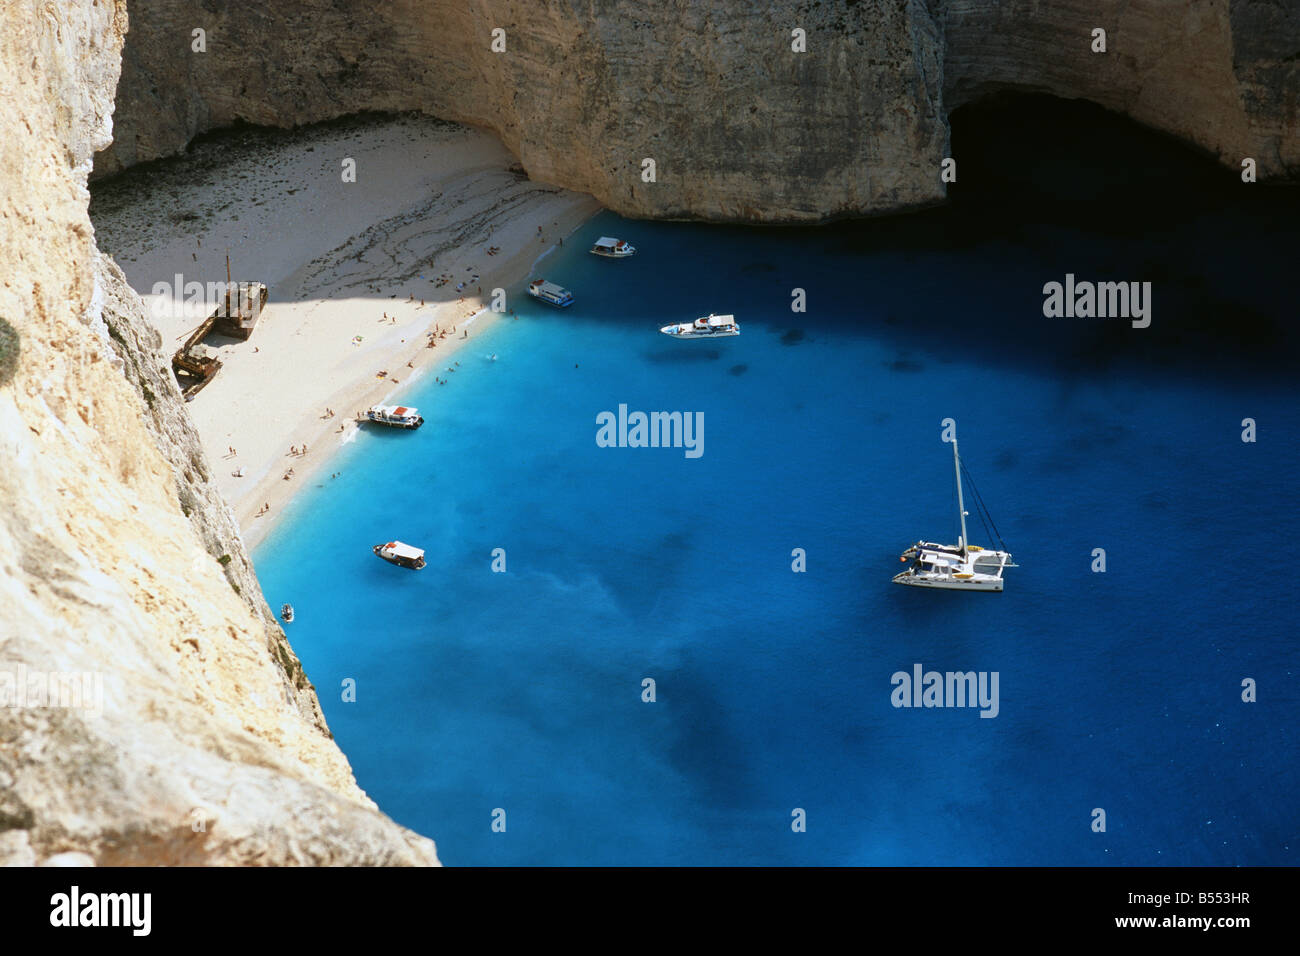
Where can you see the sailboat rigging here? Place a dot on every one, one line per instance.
(960, 567)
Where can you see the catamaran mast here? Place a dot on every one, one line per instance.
(961, 505)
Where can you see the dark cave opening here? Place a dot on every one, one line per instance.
(1033, 154)
(1047, 187)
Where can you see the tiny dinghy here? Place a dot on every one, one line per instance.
(286, 613)
(402, 555)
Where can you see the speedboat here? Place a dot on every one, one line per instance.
(550, 293)
(398, 416)
(959, 567)
(402, 555)
(286, 613)
(706, 327)
(612, 248)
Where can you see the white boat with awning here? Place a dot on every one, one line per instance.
(401, 554)
(398, 416)
(550, 293)
(959, 567)
(612, 248)
(706, 327)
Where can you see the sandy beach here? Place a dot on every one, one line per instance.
(362, 275)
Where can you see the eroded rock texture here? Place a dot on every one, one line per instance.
(150, 709)
(739, 125)
(202, 741)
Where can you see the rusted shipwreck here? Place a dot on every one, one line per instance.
(237, 314)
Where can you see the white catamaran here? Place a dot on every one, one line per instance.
(960, 567)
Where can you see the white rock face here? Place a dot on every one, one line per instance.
(1223, 76)
(150, 711)
(740, 125)
(190, 734)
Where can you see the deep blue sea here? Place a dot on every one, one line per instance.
(522, 691)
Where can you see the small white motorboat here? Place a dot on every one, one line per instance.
(286, 613)
(402, 555)
(612, 248)
(550, 293)
(706, 327)
(397, 416)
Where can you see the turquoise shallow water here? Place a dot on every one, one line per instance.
(522, 690)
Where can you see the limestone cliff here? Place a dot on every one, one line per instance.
(150, 710)
(740, 126)
(196, 738)
(1221, 75)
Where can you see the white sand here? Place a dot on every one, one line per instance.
(429, 199)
